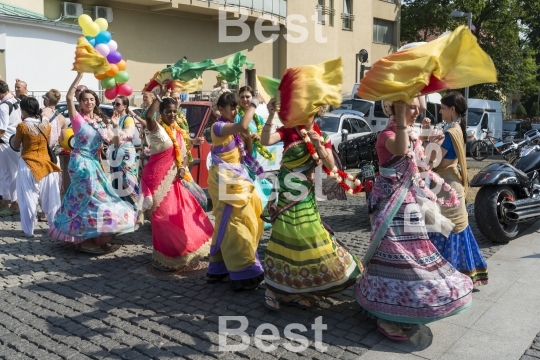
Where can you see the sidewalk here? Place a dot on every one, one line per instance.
(502, 322)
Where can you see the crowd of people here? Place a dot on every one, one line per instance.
(410, 274)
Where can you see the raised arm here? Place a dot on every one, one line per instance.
(151, 124)
(242, 126)
(267, 138)
(399, 145)
(72, 110)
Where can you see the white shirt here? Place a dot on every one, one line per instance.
(8, 122)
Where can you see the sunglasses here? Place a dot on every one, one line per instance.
(117, 104)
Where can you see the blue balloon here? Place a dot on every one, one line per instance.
(91, 40)
(103, 37)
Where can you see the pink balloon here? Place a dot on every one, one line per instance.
(111, 93)
(113, 46)
(124, 89)
(103, 49)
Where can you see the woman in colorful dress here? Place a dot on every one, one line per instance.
(406, 281)
(246, 94)
(236, 202)
(122, 156)
(91, 212)
(188, 181)
(181, 231)
(302, 256)
(460, 247)
(37, 177)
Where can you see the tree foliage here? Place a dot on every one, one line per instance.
(520, 111)
(534, 112)
(498, 25)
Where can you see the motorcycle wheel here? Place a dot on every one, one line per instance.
(487, 212)
(479, 150)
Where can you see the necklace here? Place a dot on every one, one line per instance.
(259, 147)
(338, 175)
(177, 152)
(444, 127)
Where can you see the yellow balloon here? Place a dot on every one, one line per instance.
(91, 30)
(102, 23)
(67, 142)
(84, 20)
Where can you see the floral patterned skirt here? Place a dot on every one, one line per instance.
(90, 207)
(407, 281)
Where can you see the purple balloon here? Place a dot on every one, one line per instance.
(114, 57)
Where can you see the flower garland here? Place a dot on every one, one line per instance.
(99, 125)
(184, 131)
(420, 161)
(259, 147)
(338, 175)
(178, 154)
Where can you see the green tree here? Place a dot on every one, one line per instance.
(496, 25)
(534, 110)
(520, 111)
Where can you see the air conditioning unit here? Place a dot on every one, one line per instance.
(72, 10)
(103, 12)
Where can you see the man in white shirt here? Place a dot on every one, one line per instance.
(10, 117)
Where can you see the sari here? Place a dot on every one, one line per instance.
(181, 229)
(303, 255)
(460, 247)
(124, 166)
(237, 209)
(406, 281)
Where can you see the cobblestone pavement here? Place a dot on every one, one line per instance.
(56, 303)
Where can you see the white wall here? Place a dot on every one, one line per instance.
(41, 56)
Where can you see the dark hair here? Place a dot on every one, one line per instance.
(4, 87)
(459, 102)
(31, 106)
(124, 99)
(246, 88)
(166, 103)
(228, 99)
(97, 110)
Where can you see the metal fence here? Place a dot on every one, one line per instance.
(135, 99)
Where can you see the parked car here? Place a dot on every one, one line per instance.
(535, 126)
(108, 110)
(341, 125)
(515, 129)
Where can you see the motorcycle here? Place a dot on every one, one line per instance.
(510, 192)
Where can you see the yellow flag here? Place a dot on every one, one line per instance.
(88, 60)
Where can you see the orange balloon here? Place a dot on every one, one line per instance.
(100, 76)
(113, 70)
(121, 65)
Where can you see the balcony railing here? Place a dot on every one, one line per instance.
(276, 8)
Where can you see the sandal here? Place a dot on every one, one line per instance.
(396, 335)
(273, 300)
(296, 303)
(92, 250)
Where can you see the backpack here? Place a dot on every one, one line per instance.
(11, 105)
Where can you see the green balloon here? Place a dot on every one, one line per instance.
(122, 77)
(108, 83)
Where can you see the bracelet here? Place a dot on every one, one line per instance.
(255, 102)
(401, 127)
(267, 124)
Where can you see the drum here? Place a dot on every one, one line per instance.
(11, 143)
(69, 140)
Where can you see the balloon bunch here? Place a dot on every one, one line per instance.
(115, 79)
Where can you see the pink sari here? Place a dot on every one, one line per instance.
(175, 213)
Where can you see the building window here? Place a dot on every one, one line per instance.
(347, 15)
(321, 12)
(383, 31)
(331, 12)
(251, 76)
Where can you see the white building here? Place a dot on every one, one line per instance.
(38, 50)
